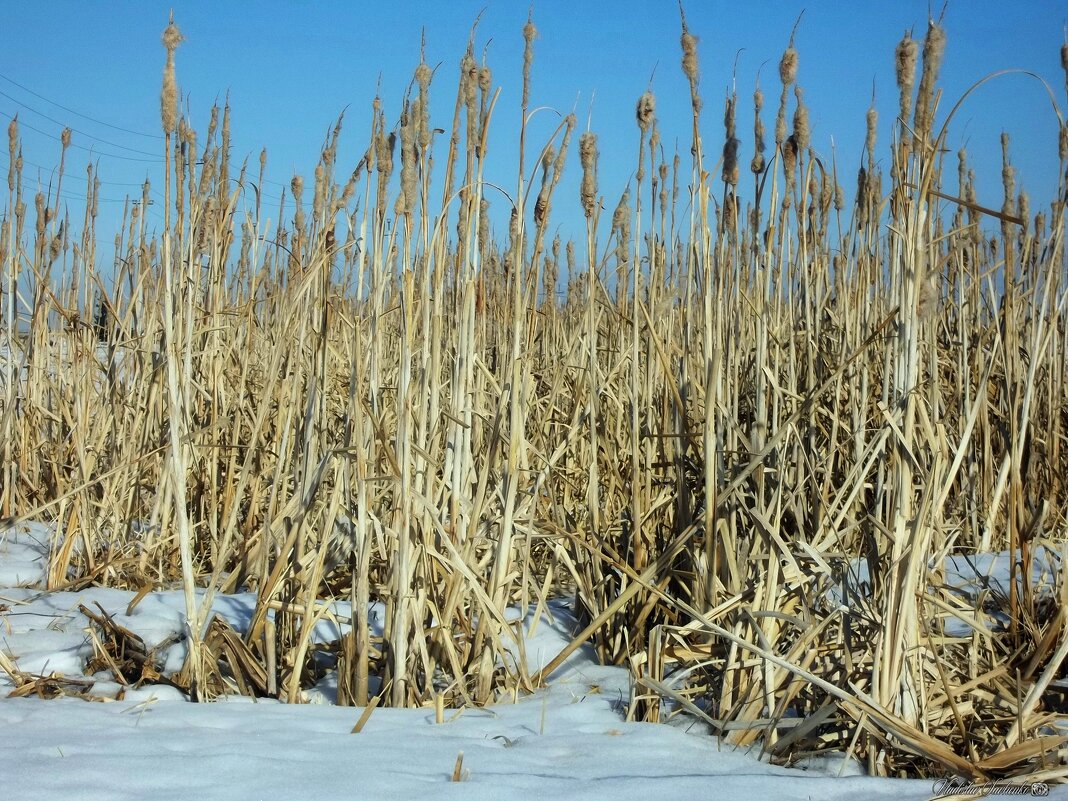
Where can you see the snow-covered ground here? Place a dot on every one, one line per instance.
(568, 741)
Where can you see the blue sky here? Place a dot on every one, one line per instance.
(291, 67)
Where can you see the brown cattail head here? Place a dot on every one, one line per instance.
(869, 139)
(934, 48)
(409, 193)
(541, 205)
(12, 148)
(646, 111)
(788, 66)
(39, 203)
(420, 109)
(757, 164)
(905, 69)
(530, 33)
(802, 132)
(588, 160)
(64, 138)
(689, 64)
(730, 161)
(172, 37)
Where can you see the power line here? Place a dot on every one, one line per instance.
(70, 175)
(78, 113)
(80, 147)
(75, 130)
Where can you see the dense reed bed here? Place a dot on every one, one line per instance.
(752, 435)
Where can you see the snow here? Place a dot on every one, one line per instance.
(570, 740)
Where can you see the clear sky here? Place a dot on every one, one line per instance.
(291, 67)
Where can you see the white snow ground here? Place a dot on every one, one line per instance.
(569, 741)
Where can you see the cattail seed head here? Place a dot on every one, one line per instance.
(757, 164)
(485, 79)
(646, 111)
(423, 74)
(172, 37)
(934, 48)
(905, 69)
(872, 126)
(39, 204)
(12, 147)
(588, 160)
(788, 66)
(689, 65)
(802, 133)
(64, 138)
(530, 33)
(730, 161)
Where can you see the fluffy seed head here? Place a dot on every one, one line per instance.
(934, 48)
(689, 55)
(802, 132)
(172, 37)
(905, 62)
(788, 66)
(588, 160)
(530, 33)
(869, 141)
(646, 111)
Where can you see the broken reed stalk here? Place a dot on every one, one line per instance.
(765, 424)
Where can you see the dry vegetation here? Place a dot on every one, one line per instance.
(749, 434)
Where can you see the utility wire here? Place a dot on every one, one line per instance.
(78, 113)
(75, 130)
(23, 124)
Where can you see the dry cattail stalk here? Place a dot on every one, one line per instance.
(588, 160)
(172, 37)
